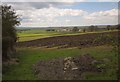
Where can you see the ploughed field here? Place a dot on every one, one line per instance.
(83, 40)
(73, 57)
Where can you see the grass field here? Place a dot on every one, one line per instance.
(38, 33)
(30, 56)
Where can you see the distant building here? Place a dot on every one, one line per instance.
(80, 30)
(64, 29)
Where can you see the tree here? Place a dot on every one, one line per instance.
(50, 30)
(91, 28)
(84, 30)
(96, 28)
(108, 27)
(118, 26)
(9, 21)
(75, 29)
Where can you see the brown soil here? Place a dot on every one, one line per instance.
(54, 69)
(85, 40)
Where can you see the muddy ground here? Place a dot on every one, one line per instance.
(70, 68)
(85, 40)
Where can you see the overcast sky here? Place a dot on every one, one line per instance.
(42, 14)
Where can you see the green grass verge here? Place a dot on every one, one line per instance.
(30, 56)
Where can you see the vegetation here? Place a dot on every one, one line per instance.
(92, 28)
(9, 21)
(30, 56)
(37, 34)
(75, 29)
(84, 30)
(108, 27)
(32, 34)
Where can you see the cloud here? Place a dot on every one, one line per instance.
(48, 16)
(67, 20)
(29, 5)
(103, 17)
(68, 1)
(108, 0)
(52, 14)
(61, 17)
(40, 5)
(108, 13)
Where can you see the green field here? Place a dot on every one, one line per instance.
(38, 33)
(30, 56)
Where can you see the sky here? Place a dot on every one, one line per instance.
(61, 13)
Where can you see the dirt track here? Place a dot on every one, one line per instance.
(92, 39)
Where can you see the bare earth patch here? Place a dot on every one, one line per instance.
(85, 40)
(69, 68)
